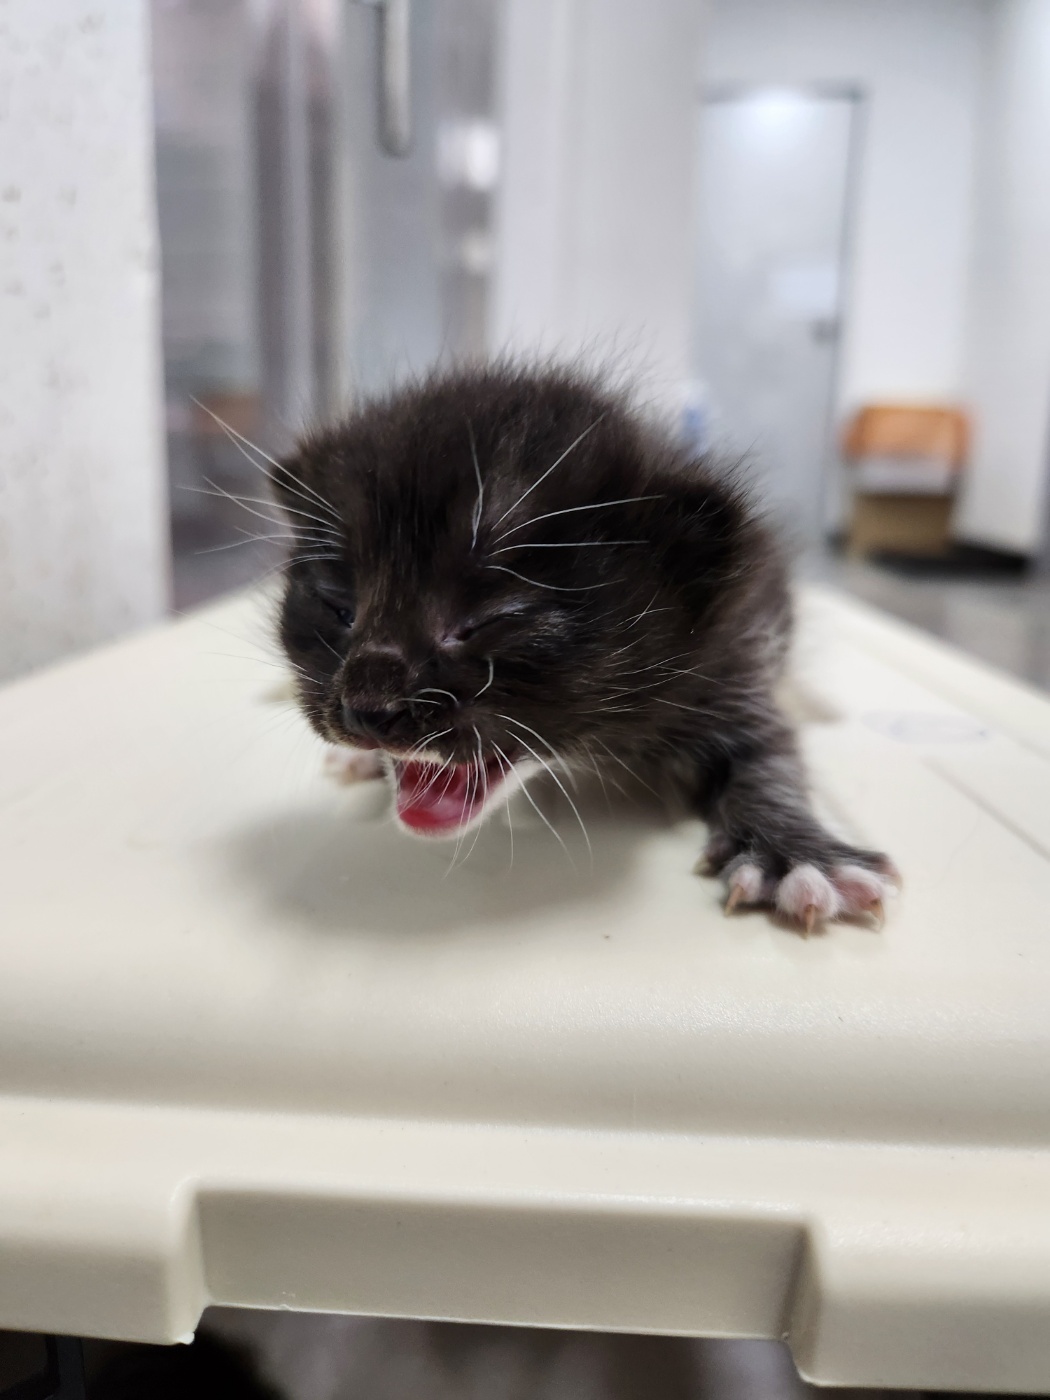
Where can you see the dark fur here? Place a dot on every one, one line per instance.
(653, 643)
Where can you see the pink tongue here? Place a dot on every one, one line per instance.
(433, 799)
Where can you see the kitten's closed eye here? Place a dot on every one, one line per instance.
(477, 627)
(340, 607)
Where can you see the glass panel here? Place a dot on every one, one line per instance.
(301, 264)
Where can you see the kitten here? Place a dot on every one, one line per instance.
(499, 570)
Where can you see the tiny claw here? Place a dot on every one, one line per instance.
(736, 894)
(715, 856)
(809, 917)
(877, 912)
(887, 868)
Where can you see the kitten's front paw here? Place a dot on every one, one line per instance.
(851, 884)
(347, 765)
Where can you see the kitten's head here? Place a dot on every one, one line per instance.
(495, 571)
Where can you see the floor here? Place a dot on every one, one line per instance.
(345, 1358)
(1003, 621)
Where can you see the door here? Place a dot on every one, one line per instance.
(772, 180)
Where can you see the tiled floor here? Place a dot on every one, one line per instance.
(1004, 621)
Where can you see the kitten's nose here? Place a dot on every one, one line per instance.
(385, 723)
(374, 702)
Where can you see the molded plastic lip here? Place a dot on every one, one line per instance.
(437, 798)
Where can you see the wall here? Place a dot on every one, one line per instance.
(83, 544)
(595, 203)
(1005, 500)
(919, 64)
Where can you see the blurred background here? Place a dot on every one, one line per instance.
(811, 233)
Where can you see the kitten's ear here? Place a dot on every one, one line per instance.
(703, 531)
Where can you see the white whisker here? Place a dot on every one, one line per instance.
(308, 537)
(570, 544)
(443, 768)
(598, 772)
(545, 742)
(430, 738)
(483, 770)
(694, 675)
(492, 672)
(535, 734)
(536, 809)
(248, 539)
(476, 519)
(646, 611)
(264, 501)
(226, 496)
(626, 767)
(329, 646)
(436, 690)
(564, 791)
(555, 588)
(472, 786)
(510, 817)
(572, 510)
(239, 438)
(546, 474)
(426, 788)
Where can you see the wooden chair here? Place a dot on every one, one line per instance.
(905, 464)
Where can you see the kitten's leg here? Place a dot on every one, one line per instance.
(770, 849)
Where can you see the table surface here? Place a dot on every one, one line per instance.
(258, 1047)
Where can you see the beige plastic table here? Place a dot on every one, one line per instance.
(258, 1048)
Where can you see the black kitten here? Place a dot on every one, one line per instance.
(499, 571)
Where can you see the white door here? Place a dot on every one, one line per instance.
(772, 182)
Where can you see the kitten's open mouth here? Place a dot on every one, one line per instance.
(436, 798)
